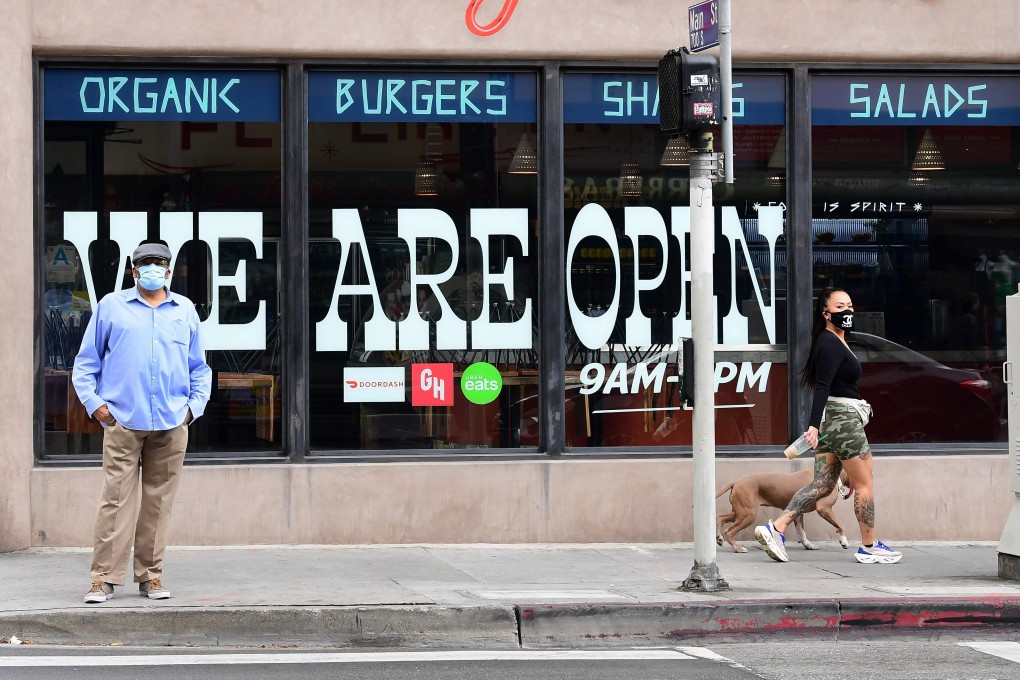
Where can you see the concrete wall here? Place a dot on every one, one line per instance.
(763, 30)
(17, 301)
(555, 501)
(944, 497)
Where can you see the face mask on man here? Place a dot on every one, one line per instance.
(151, 276)
(843, 320)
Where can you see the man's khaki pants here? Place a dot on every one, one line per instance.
(161, 454)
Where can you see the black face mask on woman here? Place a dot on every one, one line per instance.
(843, 320)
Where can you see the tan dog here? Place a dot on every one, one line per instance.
(775, 490)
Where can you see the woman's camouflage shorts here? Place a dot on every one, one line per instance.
(845, 432)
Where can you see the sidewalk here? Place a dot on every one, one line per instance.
(472, 596)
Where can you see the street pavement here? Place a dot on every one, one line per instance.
(496, 596)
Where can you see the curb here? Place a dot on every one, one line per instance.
(602, 625)
(574, 626)
(491, 627)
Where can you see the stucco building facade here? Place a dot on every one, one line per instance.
(443, 274)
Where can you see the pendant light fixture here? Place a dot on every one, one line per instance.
(426, 178)
(775, 174)
(525, 160)
(928, 156)
(630, 172)
(630, 179)
(677, 152)
(426, 175)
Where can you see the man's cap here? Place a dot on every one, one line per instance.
(150, 250)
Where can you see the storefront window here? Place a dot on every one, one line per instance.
(191, 158)
(916, 214)
(628, 292)
(423, 237)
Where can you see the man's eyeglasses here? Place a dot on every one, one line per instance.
(153, 260)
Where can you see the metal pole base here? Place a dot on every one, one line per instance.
(704, 578)
(1009, 567)
(1009, 544)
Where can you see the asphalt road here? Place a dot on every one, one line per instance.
(904, 659)
(664, 664)
(790, 660)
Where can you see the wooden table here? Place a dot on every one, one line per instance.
(436, 427)
(64, 411)
(263, 390)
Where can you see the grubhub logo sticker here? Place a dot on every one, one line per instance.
(481, 383)
(431, 384)
(380, 383)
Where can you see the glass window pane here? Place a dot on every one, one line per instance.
(191, 158)
(916, 216)
(626, 199)
(423, 307)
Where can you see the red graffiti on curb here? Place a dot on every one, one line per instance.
(471, 18)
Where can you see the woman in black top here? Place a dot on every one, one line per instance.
(836, 429)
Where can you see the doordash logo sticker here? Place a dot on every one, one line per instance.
(431, 384)
(374, 384)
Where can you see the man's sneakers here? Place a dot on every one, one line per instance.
(100, 592)
(879, 553)
(153, 590)
(773, 542)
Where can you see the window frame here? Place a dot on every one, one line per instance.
(551, 308)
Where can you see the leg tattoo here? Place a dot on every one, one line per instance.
(864, 508)
(821, 486)
(866, 455)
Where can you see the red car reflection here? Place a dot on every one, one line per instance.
(917, 399)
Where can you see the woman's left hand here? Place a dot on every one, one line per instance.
(812, 436)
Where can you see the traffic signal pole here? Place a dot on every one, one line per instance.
(726, 82)
(705, 576)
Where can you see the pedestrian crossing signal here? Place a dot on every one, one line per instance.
(689, 92)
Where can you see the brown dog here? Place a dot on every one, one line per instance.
(775, 490)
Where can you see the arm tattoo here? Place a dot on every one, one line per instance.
(821, 486)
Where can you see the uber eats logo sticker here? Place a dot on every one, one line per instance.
(481, 383)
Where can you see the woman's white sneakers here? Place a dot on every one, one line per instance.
(879, 553)
(775, 547)
(773, 542)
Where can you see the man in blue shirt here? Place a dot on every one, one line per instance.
(141, 372)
